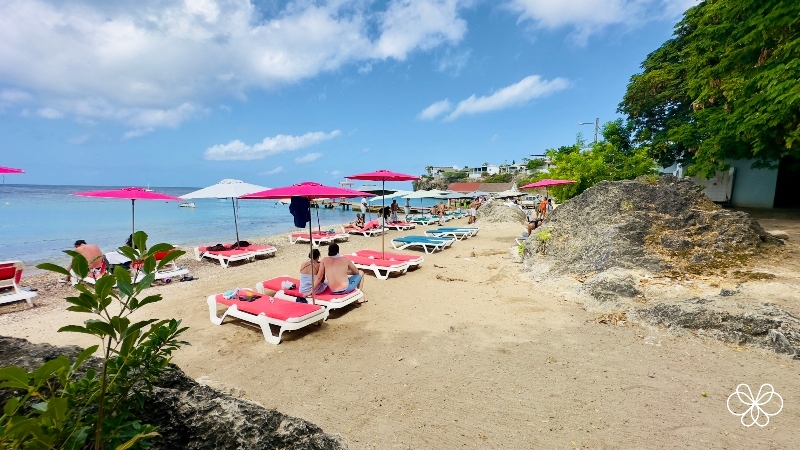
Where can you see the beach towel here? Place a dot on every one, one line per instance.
(299, 209)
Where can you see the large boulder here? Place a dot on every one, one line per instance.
(668, 225)
(496, 212)
(191, 416)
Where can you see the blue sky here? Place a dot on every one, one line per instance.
(185, 93)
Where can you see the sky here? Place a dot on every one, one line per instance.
(186, 93)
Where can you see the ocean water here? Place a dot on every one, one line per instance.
(38, 222)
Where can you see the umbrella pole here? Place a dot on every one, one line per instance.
(235, 221)
(311, 252)
(319, 227)
(383, 220)
(133, 218)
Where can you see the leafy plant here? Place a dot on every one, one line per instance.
(543, 236)
(61, 405)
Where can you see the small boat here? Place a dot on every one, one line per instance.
(187, 205)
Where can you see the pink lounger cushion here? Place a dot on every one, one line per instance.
(275, 285)
(271, 307)
(367, 261)
(226, 253)
(388, 256)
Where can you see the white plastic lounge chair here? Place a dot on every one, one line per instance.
(225, 257)
(428, 244)
(441, 232)
(93, 275)
(265, 311)
(412, 260)
(472, 230)
(258, 250)
(371, 228)
(400, 225)
(325, 298)
(168, 272)
(10, 276)
(317, 239)
(424, 220)
(382, 268)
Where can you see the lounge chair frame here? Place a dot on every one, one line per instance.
(339, 303)
(15, 293)
(264, 321)
(224, 261)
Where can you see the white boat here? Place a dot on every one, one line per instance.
(187, 205)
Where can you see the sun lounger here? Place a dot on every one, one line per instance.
(317, 237)
(259, 250)
(92, 276)
(371, 228)
(429, 244)
(412, 260)
(472, 230)
(10, 276)
(266, 311)
(168, 272)
(325, 298)
(225, 257)
(400, 225)
(382, 268)
(444, 232)
(423, 220)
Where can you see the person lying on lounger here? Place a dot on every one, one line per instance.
(342, 276)
(305, 274)
(358, 223)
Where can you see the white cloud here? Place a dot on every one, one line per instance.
(366, 68)
(587, 17)
(308, 158)
(50, 113)
(147, 63)
(435, 110)
(336, 173)
(238, 150)
(274, 171)
(454, 62)
(527, 89)
(139, 132)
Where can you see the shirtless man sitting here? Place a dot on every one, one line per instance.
(341, 274)
(92, 253)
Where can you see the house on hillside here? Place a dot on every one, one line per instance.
(482, 171)
(514, 169)
(465, 188)
(437, 171)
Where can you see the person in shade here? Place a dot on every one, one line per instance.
(342, 276)
(305, 274)
(394, 208)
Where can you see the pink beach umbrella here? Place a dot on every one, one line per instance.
(130, 193)
(9, 171)
(308, 190)
(383, 176)
(546, 183)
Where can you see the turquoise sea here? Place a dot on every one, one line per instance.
(38, 222)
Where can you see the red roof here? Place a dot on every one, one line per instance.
(464, 187)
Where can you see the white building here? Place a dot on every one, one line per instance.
(481, 171)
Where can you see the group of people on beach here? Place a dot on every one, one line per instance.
(333, 272)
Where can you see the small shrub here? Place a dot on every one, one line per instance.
(60, 405)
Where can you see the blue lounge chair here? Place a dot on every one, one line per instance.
(429, 244)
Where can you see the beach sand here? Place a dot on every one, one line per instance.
(466, 351)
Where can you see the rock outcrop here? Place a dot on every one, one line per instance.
(191, 416)
(666, 226)
(496, 212)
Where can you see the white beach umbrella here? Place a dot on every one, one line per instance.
(509, 193)
(228, 188)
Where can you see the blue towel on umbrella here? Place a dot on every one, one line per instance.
(300, 209)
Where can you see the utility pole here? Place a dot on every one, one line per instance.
(596, 127)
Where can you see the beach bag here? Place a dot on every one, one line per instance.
(217, 248)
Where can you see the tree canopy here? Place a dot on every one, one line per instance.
(613, 158)
(726, 86)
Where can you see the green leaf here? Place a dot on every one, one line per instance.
(101, 328)
(169, 257)
(104, 286)
(46, 370)
(140, 240)
(149, 265)
(79, 265)
(77, 329)
(122, 275)
(56, 409)
(129, 253)
(11, 406)
(84, 355)
(53, 268)
(77, 439)
(149, 299)
(14, 373)
(129, 444)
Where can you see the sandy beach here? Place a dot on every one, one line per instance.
(470, 351)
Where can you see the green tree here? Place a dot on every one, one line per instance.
(498, 178)
(724, 87)
(610, 159)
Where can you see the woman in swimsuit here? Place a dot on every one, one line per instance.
(306, 280)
